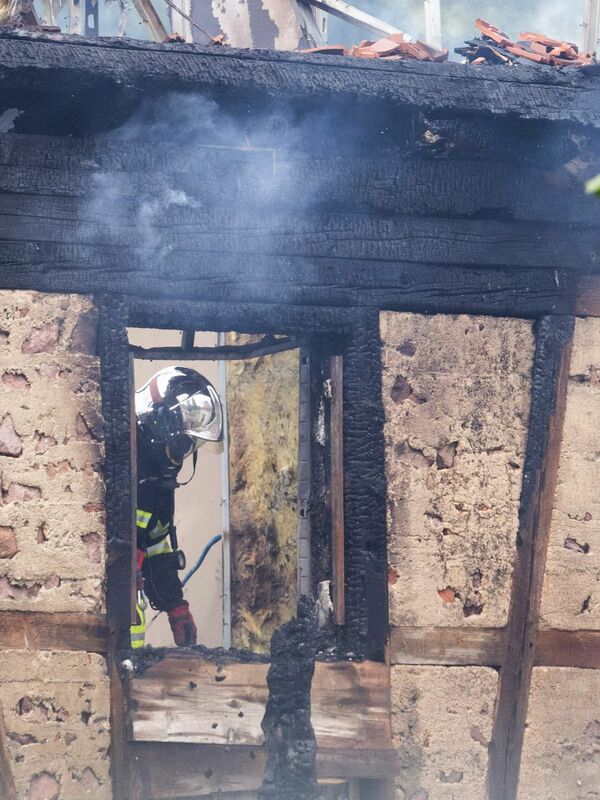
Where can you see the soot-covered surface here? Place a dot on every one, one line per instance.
(289, 735)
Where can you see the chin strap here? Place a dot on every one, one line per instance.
(194, 462)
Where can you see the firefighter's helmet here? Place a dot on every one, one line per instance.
(178, 410)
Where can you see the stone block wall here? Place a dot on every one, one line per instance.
(561, 753)
(456, 392)
(51, 512)
(56, 713)
(571, 596)
(456, 395)
(52, 541)
(441, 723)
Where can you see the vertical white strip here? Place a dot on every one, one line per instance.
(433, 23)
(179, 24)
(591, 15)
(226, 541)
(304, 420)
(75, 17)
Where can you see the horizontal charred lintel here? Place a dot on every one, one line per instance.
(127, 69)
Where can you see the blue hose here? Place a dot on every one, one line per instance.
(201, 557)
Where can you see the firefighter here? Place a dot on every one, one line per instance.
(178, 411)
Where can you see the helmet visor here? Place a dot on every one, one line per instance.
(202, 419)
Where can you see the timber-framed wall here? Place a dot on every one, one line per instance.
(490, 234)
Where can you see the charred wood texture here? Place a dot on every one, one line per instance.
(352, 230)
(116, 408)
(289, 735)
(365, 492)
(124, 68)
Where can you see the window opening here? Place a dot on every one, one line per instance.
(254, 498)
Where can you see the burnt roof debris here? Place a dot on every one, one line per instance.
(392, 47)
(496, 47)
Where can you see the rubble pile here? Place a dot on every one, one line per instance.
(495, 47)
(392, 47)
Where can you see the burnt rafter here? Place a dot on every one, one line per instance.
(266, 346)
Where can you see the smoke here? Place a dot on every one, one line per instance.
(557, 18)
(199, 180)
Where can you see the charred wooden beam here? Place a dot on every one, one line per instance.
(187, 340)
(117, 393)
(266, 346)
(298, 281)
(549, 389)
(526, 93)
(352, 233)
(338, 576)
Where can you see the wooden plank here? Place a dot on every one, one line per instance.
(579, 649)
(34, 630)
(447, 646)
(336, 490)
(186, 770)
(7, 782)
(548, 401)
(350, 234)
(487, 647)
(333, 282)
(190, 699)
(186, 698)
(351, 705)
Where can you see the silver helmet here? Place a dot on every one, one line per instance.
(178, 411)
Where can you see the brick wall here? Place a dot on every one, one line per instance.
(52, 541)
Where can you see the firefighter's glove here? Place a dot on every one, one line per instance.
(183, 625)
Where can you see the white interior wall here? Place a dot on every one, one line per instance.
(197, 505)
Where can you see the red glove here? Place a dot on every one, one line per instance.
(183, 626)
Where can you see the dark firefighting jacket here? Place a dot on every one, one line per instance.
(155, 539)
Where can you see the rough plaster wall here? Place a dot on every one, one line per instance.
(456, 393)
(571, 597)
(442, 721)
(51, 509)
(561, 754)
(56, 712)
(262, 400)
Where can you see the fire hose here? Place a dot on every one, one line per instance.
(201, 558)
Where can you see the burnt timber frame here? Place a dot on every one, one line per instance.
(365, 572)
(500, 241)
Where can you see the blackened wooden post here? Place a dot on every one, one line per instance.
(289, 735)
(119, 476)
(548, 401)
(337, 490)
